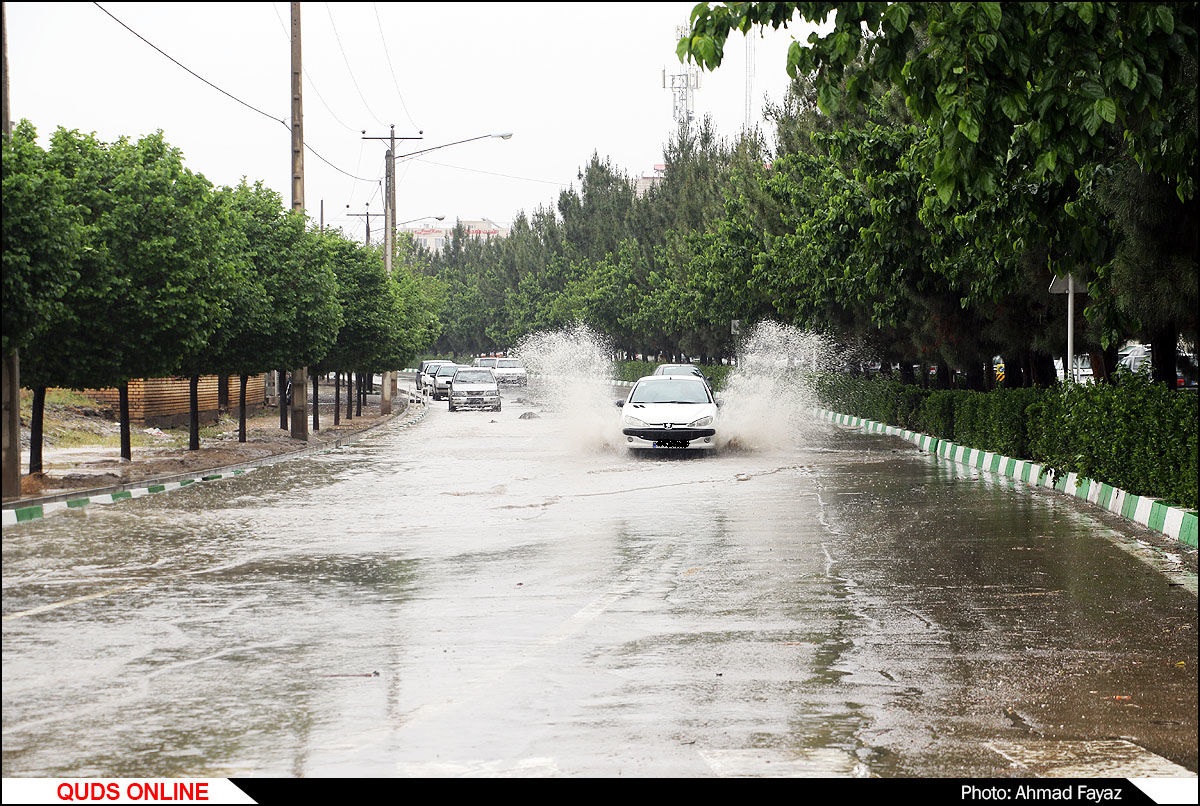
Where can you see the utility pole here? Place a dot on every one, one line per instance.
(368, 215)
(389, 243)
(389, 205)
(297, 404)
(12, 366)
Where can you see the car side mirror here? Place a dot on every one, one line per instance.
(620, 404)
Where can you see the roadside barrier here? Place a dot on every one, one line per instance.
(1174, 522)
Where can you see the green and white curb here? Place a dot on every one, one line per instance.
(1174, 522)
(33, 512)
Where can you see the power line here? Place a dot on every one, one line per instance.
(349, 69)
(189, 70)
(312, 84)
(492, 173)
(392, 70)
(193, 73)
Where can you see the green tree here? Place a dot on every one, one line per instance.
(42, 239)
(149, 286)
(1042, 98)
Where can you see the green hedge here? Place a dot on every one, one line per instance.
(1138, 436)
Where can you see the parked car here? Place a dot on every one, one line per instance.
(424, 378)
(669, 412)
(511, 371)
(1137, 358)
(439, 385)
(474, 388)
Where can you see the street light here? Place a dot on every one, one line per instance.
(393, 158)
(422, 218)
(502, 136)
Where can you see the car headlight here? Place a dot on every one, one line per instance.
(634, 422)
(703, 421)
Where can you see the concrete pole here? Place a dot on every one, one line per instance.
(1069, 370)
(299, 407)
(11, 424)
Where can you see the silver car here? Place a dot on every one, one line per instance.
(511, 371)
(439, 388)
(474, 388)
(424, 375)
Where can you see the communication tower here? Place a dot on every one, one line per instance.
(749, 79)
(683, 86)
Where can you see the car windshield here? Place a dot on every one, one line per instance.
(446, 369)
(511, 363)
(487, 362)
(672, 391)
(473, 376)
(677, 369)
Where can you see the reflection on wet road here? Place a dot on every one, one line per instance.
(508, 594)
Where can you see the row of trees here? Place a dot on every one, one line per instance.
(937, 165)
(121, 263)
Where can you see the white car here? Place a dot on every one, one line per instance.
(439, 386)
(669, 412)
(424, 375)
(474, 388)
(511, 371)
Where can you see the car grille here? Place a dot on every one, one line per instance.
(669, 434)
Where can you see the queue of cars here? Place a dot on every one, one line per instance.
(474, 386)
(674, 409)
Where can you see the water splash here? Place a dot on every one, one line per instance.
(767, 400)
(571, 372)
(767, 397)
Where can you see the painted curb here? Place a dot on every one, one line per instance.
(24, 514)
(1173, 522)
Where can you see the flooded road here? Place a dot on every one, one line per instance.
(510, 594)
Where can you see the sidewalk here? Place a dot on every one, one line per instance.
(84, 474)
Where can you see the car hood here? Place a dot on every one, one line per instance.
(674, 413)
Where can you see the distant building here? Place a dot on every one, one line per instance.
(647, 181)
(435, 238)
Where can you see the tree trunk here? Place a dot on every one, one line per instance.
(337, 398)
(316, 403)
(1163, 354)
(943, 376)
(242, 379)
(37, 421)
(283, 406)
(349, 396)
(222, 393)
(194, 413)
(123, 414)
(976, 378)
(12, 426)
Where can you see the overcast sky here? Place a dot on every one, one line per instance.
(567, 79)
